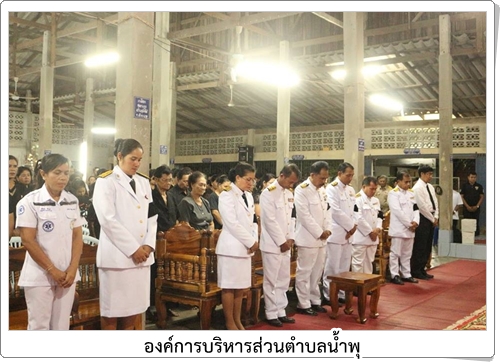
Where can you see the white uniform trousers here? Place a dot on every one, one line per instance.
(338, 260)
(310, 265)
(49, 307)
(362, 258)
(276, 282)
(399, 258)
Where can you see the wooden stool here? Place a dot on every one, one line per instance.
(362, 284)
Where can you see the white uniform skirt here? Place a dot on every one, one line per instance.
(234, 272)
(124, 292)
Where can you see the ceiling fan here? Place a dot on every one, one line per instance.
(15, 96)
(231, 101)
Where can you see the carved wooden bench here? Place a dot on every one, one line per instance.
(186, 273)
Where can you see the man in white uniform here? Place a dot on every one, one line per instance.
(312, 229)
(341, 199)
(369, 219)
(404, 221)
(276, 240)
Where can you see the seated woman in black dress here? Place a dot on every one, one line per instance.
(194, 208)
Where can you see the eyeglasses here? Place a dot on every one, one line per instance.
(165, 180)
(249, 179)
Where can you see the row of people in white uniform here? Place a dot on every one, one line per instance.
(333, 227)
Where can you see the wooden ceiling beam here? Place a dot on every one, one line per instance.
(15, 20)
(330, 19)
(227, 24)
(80, 28)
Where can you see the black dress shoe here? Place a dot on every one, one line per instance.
(286, 319)
(274, 322)
(410, 280)
(341, 300)
(421, 276)
(325, 302)
(318, 308)
(430, 276)
(397, 280)
(306, 311)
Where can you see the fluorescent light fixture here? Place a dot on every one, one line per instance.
(281, 76)
(385, 102)
(102, 59)
(368, 71)
(103, 130)
(366, 60)
(413, 117)
(338, 74)
(83, 159)
(434, 116)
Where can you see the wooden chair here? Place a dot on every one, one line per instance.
(183, 273)
(383, 249)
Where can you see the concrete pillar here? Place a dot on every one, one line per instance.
(445, 134)
(134, 75)
(283, 122)
(354, 90)
(88, 123)
(30, 125)
(46, 98)
(164, 96)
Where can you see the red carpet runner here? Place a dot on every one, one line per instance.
(458, 289)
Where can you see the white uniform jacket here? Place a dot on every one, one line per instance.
(313, 217)
(404, 210)
(341, 199)
(369, 217)
(54, 222)
(239, 232)
(424, 202)
(123, 216)
(276, 205)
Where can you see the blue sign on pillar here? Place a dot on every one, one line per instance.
(141, 108)
(361, 144)
(163, 149)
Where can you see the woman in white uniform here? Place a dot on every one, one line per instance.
(127, 240)
(237, 242)
(51, 231)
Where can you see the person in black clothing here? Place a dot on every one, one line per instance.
(472, 196)
(178, 192)
(163, 182)
(222, 183)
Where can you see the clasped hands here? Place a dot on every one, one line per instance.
(287, 245)
(142, 254)
(413, 226)
(254, 248)
(64, 279)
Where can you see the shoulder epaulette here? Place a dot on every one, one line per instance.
(334, 183)
(304, 184)
(396, 189)
(410, 190)
(227, 188)
(106, 174)
(271, 188)
(143, 175)
(358, 194)
(291, 190)
(389, 186)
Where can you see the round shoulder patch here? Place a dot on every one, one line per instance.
(20, 211)
(48, 226)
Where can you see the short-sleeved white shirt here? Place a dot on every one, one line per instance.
(457, 200)
(54, 223)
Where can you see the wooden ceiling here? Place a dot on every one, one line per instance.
(203, 45)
